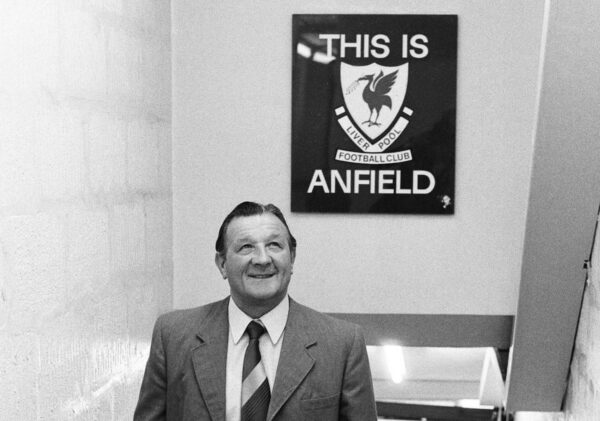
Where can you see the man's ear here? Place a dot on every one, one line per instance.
(220, 262)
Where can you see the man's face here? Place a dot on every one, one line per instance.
(257, 261)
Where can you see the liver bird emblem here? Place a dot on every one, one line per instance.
(383, 89)
(376, 93)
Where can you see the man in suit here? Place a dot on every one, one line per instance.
(258, 354)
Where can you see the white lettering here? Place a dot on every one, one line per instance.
(385, 50)
(356, 45)
(346, 185)
(358, 181)
(416, 175)
(362, 46)
(419, 46)
(318, 180)
(399, 189)
(414, 46)
(329, 38)
(377, 181)
(383, 181)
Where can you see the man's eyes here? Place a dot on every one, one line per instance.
(274, 245)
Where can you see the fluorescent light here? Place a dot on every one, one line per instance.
(394, 357)
(470, 403)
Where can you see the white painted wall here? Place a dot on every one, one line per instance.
(231, 142)
(561, 215)
(583, 391)
(85, 203)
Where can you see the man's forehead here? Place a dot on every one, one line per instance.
(264, 224)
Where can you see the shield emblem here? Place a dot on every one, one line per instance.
(373, 95)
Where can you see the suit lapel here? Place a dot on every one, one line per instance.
(210, 360)
(294, 361)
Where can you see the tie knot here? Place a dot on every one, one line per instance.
(255, 330)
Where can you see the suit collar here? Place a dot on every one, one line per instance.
(210, 359)
(295, 361)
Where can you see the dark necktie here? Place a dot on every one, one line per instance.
(255, 386)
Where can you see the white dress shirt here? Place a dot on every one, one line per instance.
(269, 345)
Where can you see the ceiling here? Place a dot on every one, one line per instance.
(442, 375)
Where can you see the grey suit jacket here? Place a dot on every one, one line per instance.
(323, 372)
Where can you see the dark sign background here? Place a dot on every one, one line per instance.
(429, 135)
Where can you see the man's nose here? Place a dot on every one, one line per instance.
(261, 256)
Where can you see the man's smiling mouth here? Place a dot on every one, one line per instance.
(261, 275)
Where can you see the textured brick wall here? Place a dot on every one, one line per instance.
(583, 391)
(85, 203)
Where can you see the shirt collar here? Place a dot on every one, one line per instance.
(274, 321)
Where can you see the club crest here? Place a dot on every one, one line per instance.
(373, 115)
(373, 95)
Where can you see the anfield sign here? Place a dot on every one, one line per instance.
(373, 113)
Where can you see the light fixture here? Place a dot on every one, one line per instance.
(394, 357)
